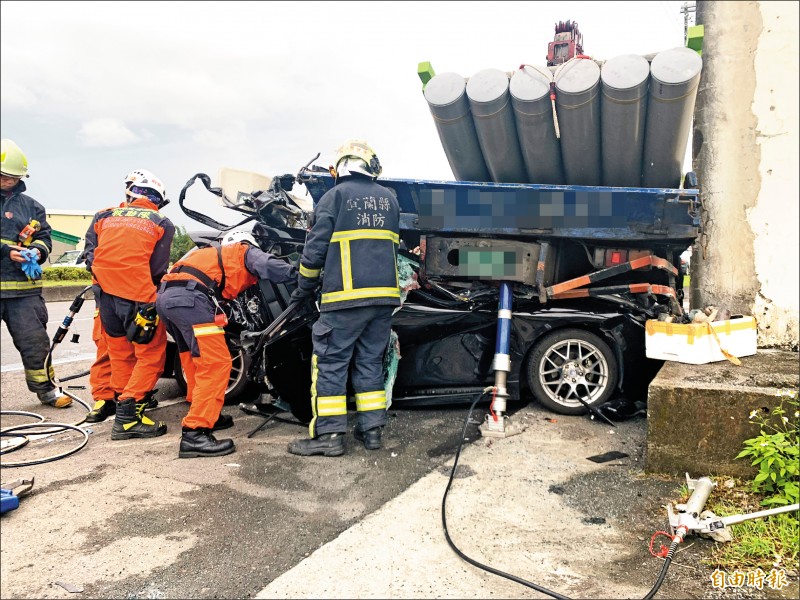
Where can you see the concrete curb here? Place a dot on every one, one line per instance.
(65, 293)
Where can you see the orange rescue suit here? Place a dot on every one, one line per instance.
(237, 277)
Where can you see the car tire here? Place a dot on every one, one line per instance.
(570, 363)
(239, 387)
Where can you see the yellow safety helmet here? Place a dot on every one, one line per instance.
(357, 156)
(14, 162)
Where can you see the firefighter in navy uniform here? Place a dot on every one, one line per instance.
(189, 302)
(127, 251)
(24, 227)
(354, 238)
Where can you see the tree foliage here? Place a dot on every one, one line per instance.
(181, 244)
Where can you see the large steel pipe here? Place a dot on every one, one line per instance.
(533, 115)
(492, 114)
(449, 106)
(624, 81)
(578, 108)
(674, 78)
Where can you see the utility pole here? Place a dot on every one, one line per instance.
(686, 9)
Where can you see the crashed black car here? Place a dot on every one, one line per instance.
(580, 349)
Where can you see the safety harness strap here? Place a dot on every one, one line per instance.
(212, 285)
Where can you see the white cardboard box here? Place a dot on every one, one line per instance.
(697, 344)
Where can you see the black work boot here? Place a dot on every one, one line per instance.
(131, 422)
(223, 422)
(101, 411)
(327, 444)
(201, 442)
(150, 399)
(371, 437)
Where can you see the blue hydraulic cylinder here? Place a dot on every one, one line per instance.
(502, 349)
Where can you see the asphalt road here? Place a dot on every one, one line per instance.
(128, 519)
(66, 351)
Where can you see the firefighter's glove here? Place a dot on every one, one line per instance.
(301, 295)
(31, 266)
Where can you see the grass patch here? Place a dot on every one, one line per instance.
(766, 543)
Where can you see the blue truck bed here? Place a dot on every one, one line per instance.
(544, 211)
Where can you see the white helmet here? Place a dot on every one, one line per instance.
(134, 176)
(138, 182)
(356, 156)
(233, 237)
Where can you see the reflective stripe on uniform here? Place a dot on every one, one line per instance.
(39, 375)
(314, 371)
(202, 330)
(331, 406)
(371, 400)
(310, 273)
(347, 269)
(348, 292)
(365, 234)
(12, 242)
(381, 292)
(21, 285)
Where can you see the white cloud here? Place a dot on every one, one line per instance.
(265, 85)
(229, 135)
(14, 95)
(106, 133)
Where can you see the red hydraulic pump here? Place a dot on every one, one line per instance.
(567, 43)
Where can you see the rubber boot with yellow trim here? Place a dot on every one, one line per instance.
(53, 398)
(131, 422)
(101, 411)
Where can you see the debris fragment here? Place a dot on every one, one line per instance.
(607, 456)
(73, 589)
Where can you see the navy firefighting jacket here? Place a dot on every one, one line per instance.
(355, 237)
(16, 211)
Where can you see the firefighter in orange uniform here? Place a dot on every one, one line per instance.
(188, 301)
(103, 394)
(128, 254)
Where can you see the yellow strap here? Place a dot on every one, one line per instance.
(725, 353)
(207, 330)
(310, 273)
(20, 285)
(379, 292)
(371, 400)
(39, 375)
(347, 267)
(365, 234)
(331, 406)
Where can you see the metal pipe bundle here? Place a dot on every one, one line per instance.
(623, 112)
(493, 116)
(626, 125)
(448, 103)
(533, 114)
(578, 107)
(675, 76)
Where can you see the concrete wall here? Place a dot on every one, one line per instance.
(745, 153)
(73, 222)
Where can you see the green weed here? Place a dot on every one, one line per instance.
(774, 450)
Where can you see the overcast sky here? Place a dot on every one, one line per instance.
(93, 90)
